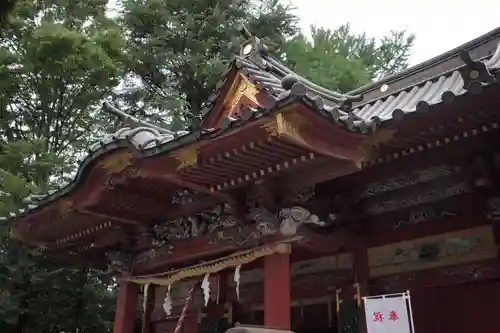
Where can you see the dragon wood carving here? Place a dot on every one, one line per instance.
(265, 223)
(221, 224)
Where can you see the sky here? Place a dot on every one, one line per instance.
(439, 25)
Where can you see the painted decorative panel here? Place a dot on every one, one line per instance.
(320, 265)
(435, 251)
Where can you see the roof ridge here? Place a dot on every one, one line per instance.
(324, 92)
(127, 118)
(431, 62)
(257, 53)
(492, 62)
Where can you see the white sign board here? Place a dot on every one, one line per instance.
(388, 314)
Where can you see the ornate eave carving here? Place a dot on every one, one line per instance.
(430, 195)
(423, 214)
(407, 180)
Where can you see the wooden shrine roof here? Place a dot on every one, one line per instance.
(481, 47)
(250, 130)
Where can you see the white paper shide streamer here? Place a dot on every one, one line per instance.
(145, 298)
(167, 304)
(237, 277)
(205, 286)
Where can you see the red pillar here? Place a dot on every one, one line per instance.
(126, 307)
(277, 291)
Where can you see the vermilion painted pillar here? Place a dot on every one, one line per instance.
(277, 291)
(126, 307)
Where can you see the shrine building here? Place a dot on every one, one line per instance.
(291, 202)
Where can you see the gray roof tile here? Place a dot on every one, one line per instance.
(433, 91)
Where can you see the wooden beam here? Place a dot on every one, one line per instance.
(198, 188)
(335, 242)
(196, 248)
(109, 217)
(324, 169)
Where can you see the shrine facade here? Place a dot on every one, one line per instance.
(291, 202)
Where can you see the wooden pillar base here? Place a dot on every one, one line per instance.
(126, 307)
(277, 291)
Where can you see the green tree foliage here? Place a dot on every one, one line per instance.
(59, 59)
(343, 60)
(178, 50)
(5, 8)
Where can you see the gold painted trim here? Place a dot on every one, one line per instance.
(287, 123)
(271, 128)
(64, 207)
(369, 146)
(290, 125)
(244, 88)
(186, 157)
(117, 162)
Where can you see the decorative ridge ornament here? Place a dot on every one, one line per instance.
(126, 119)
(475, 73)
(258, 52)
